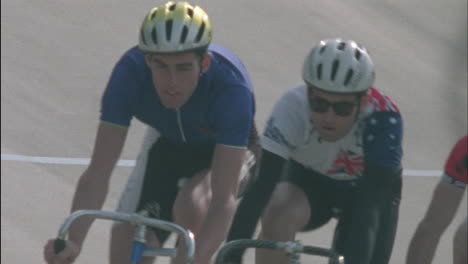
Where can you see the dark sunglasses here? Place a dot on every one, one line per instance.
(320, 105)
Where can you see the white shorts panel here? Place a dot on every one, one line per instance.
(130, 196)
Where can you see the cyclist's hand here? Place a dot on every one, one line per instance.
(66, 256)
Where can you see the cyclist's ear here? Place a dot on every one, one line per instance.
(362, 100)
(205, 62)
(148, 58)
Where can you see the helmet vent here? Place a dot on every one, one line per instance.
(143, 38)
(154, 36)
(183, 36)
(172, 7)
(190, 12)
(168, 29)
(322, 49)
(319, 72)
(349, 75)
(357, 54)
(335, 66)
(341, 46)
(200, 32)
(154, 14)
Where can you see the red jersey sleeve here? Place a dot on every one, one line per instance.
(457, 162)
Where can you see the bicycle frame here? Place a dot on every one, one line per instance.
(141, 221)
(293, 249)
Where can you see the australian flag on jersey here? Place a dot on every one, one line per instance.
(347, 162)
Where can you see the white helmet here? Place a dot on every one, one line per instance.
(175, 27)
(339, 66)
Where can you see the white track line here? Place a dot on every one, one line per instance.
(57, 160)
(131, 163)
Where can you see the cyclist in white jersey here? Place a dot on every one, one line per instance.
(332, 148)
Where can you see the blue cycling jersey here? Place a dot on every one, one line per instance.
(221, 109)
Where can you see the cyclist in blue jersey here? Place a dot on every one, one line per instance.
(332, 148)
(197, 99)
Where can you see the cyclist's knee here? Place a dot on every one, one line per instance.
(192, 199)
(195, 186)
(283, 217)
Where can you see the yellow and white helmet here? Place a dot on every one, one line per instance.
(339, 66)
(175, 27)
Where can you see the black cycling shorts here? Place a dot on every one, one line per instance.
(167, 163)
(325, 196)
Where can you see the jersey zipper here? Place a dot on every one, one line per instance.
(179, 122)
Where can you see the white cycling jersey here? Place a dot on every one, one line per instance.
(375, 137)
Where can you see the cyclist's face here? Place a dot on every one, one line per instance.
(175, 76)
(333, 114)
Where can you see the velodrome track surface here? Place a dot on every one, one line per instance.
(56, 58)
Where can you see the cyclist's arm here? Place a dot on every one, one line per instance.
(441, 211)
(226, 166)
(377, 188)
(256, 199)
(93, 184)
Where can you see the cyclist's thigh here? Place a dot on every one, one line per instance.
(198, 186)
(317, 190)
(193, 173)
(193, 200)
(287, 206)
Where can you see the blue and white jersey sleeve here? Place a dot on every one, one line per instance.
(287, 125)
(383, 139)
